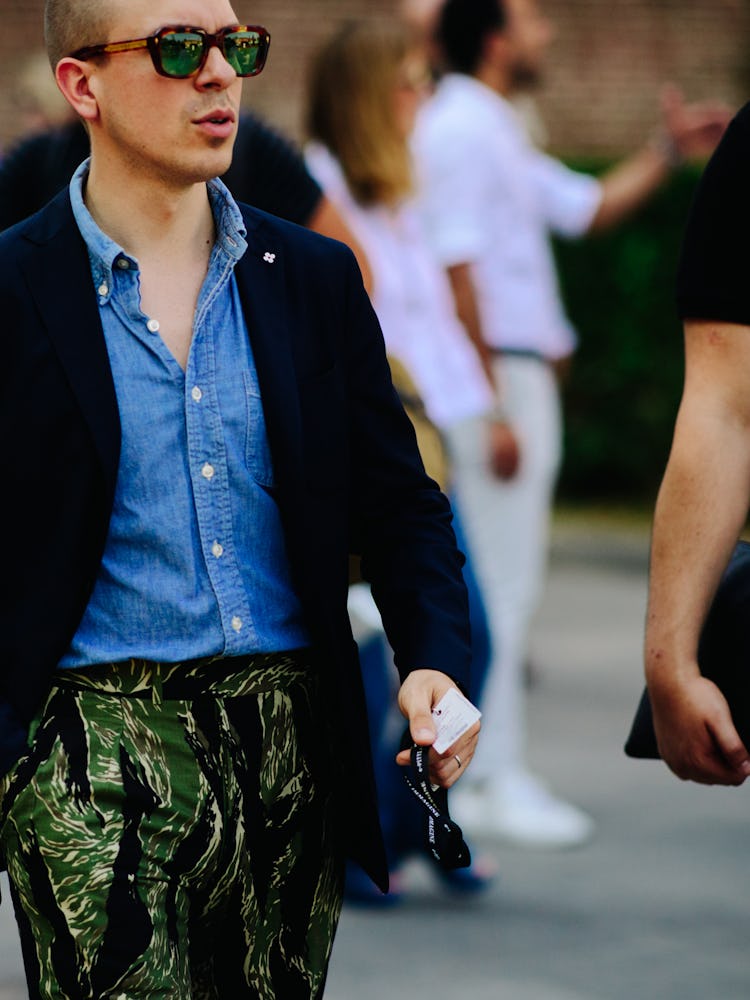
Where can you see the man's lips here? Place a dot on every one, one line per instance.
(222, 116)
(219, 124)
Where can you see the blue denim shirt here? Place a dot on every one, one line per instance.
(195, 560)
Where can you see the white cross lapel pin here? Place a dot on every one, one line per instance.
(269, 258)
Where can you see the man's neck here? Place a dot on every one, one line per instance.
(497, 78)
(146, 214)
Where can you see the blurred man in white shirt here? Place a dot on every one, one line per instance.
(491, 201)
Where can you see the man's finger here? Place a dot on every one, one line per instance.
(422, 728)
(671, 98)
(732, 749)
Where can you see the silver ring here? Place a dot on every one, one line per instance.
(457, 759)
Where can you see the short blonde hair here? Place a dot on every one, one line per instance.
(72, 24)
(351, 112)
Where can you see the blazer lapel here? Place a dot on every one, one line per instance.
(262, 287)
(59, 280)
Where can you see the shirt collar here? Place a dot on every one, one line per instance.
(230, 226)
(105, 254)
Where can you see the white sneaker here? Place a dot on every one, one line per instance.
(523, 812)
(363, 613)
(468, 807)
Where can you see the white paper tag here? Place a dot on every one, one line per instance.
(452, 716)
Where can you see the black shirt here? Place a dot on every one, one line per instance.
(267, 172)
(714, 276)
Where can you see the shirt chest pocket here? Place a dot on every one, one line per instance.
(257, 451)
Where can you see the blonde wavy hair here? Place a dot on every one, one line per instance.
(351, 110)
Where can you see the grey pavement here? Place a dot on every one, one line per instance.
(654, 907)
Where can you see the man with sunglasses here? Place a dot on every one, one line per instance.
(203, 429)
(267, 171)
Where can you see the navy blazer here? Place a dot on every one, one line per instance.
(349, 477)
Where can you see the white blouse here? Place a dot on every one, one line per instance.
(413, 300)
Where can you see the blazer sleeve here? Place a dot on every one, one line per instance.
(401, 522)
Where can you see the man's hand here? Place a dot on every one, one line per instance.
(695, 733)
(693, 129)
(505, 453)
(419, 693)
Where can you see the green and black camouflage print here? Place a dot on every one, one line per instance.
(169, 834)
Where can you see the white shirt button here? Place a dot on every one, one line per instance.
(237, 624)
(197, 394)
(103, 290)
(218, 549)
(153, 325)
(208, 471)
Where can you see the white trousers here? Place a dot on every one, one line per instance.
(507, 527)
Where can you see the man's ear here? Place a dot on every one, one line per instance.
(72, 77)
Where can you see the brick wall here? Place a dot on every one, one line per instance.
(607, 62)
(610, 57)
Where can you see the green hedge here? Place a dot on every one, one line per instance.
(624, 386)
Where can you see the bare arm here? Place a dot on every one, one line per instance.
(464, 294)
(503, 445)
(701, 509)
(687, 130)
(629, 184)
(327, 220)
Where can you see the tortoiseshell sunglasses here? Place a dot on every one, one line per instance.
(180, 52)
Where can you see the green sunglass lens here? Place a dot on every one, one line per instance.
(181, 53)
(243, 50)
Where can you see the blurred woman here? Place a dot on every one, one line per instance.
(365, 88)
(365, 91)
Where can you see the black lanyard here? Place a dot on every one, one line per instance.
(444, 838)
